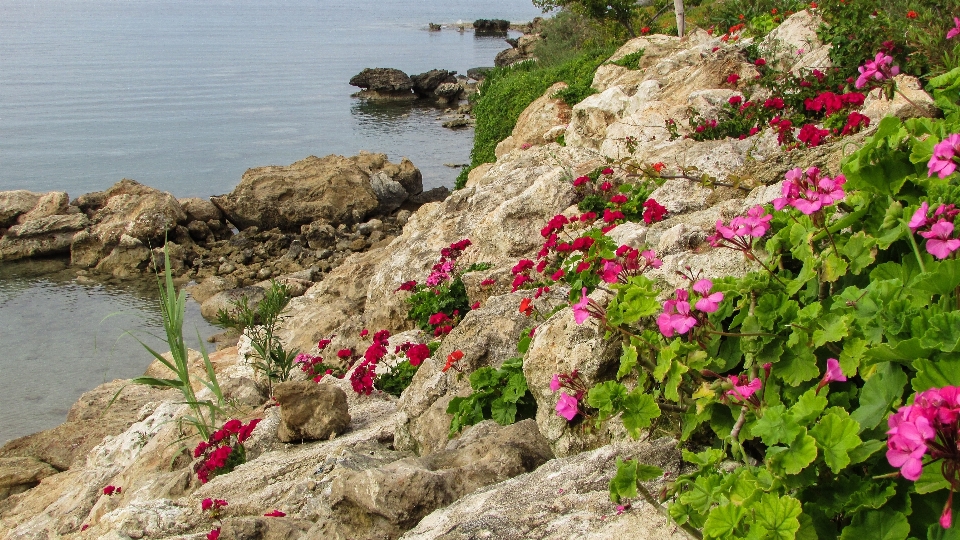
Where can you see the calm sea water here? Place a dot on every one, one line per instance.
(185, 95)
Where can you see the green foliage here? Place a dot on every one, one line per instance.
(269, 358)
(204, 413)
(622, 12)
(630, 61)
(395, 381)
(443, 298)
(507, 91)
(500, 394)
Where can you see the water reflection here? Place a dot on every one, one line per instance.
(61, 337)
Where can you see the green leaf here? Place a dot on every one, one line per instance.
(777, 517)
(852, 354)
(833, 328)
(607, 397)
(833, 267)
(931, 479)
(943, 332)
(941, 277)
(836, 435)
(860, 251)
(624, 483)
(936, 374)
(798, 365)
(705, 459)
(504, 412)
(808, 407)
(628, 360)
(483, 378)
(524, 344)
(722, 521)
(877, 525)
(776, 426)
(881, 392)
(639, 411)
(153, 381)
(515, 388)
(795, 457)
(865, 450)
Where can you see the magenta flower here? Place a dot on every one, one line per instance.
(809, 192)
(919, 218)
(676, 316)
(945, 155)
(567, 407)
(610, 271)
(833, 373)
(907, 442)
(954, 32)
(939, 243)
(650, 257)
(878, 69)
(555, 383)
(580, 313)
(742, 392)
(708, 303)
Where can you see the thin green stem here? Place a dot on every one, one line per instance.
(916, 251)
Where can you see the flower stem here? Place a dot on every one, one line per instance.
(916, 250)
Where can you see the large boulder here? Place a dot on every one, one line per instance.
(384, 82)
(200, 209)
(540, 117)
(51, 235)
(310, 411)
(128, 209)
(333, 188)
(15, 203)
(50, 204)
(498, 26)
(425, 83)
(18, 474)
(385, 501)
(564, 498)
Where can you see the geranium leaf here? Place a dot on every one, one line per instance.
(722, 521)
(860, 251)
(503, 412)
(795, 457)
(936, 374)
(943, 332)
(877, 525)
(808, 407)
(624, 483)
(776, 517)
(774, 427)
(833, 328)
(628, 360)
(639, 411)
(836, 435)
(879, 394)
(833, 267)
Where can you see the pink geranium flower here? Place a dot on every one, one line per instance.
(878, 69)
(939, 243)
(945, 155)
(580, 313)
(708, 303)
(568, 406)
(555, 383)
(743, 392)
(919, 218)
(954, 32)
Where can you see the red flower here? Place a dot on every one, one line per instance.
(813, 5)
(438, 318)
(452, 359)
(526, 307)
(246, 430)
(275, 513)
(85, 527)
(911, 14)
(417, 354)
(442, 330)
(344, 353)
(364, 332)
(733, 78)
(645, 30)
(110, 490)
(233, 426)
(735, 100)
(658, 166)
(581, 180)
(406, 286)
(605, 186)
(487, 282)
(653, 211)
(607, 171)
(558, 275)
(759, 62)
(214, 534)
(773, 11)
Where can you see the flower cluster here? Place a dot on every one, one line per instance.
(928, 427)
(586, 308)
(213, 507)
(316, 369)
(448, 260)
(946, 156)
(109, 491)
(224, 450)
(830, 103)
(936, 228)
(678, 317)
(629, 262)
(809, 192)
(875, 71)
(741, 231)
(569, 404)
(361, 379)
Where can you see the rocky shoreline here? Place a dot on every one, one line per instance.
(394, 471)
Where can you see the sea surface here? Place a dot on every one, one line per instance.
(184, 96)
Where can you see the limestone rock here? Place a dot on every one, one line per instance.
(310, 411)
(425, 83)
(225, 300)
(264, 528)
(396, 496)
(15, 203)
(795, 44)
(389, 192)
(383, 80)
(127, 259)
(562, 499)
(920, 103)
(319, 234)
(334, 188)
(544, 114)
(18, 474)
(50, 204)
(200, 209)
(51, 235)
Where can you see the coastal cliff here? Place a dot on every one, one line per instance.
(394, 471)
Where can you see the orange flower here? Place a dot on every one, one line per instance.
(773, 11)
(658, 166)
(452, 359)
(911, 14)
(526, 307)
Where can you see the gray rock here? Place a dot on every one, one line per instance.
(50, 204)
(225, 300)
(448, 90)
(18, 474)
(45, 236)
(402, 217)
(425, 83)
(15, 203)
(390, 193)
(436, 194)
(127, 259)
(491, 25)
(384, 80)
(209, 287)
(310, 411)
(319, 234)
(200, 209)
(479, 73)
